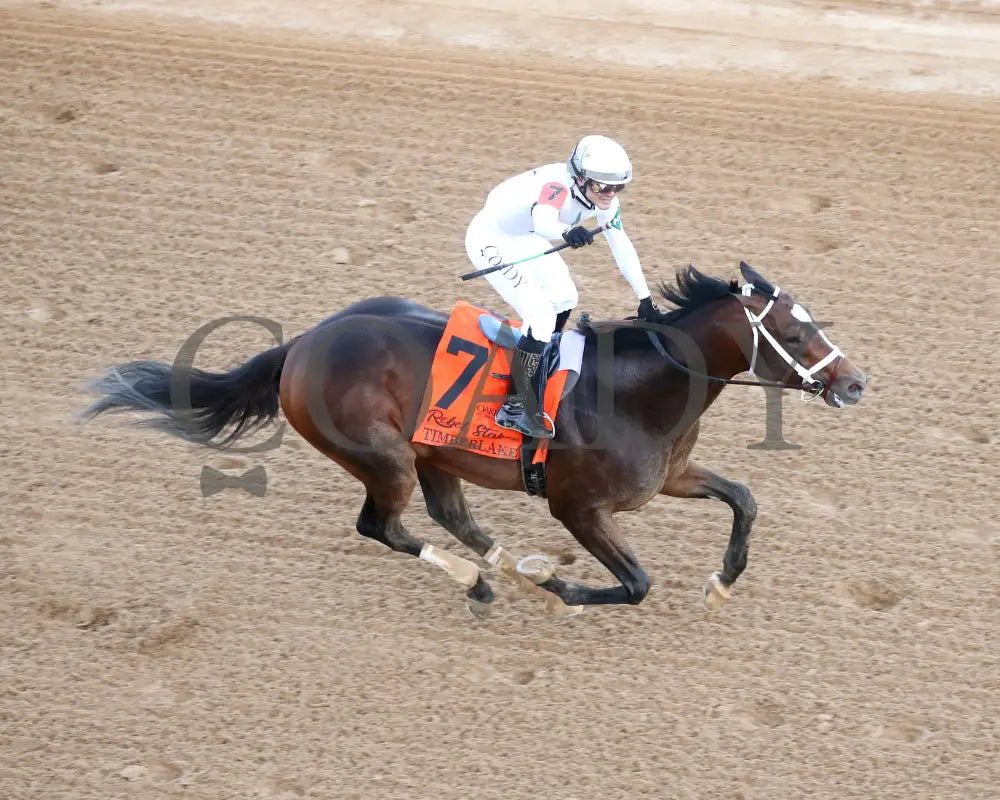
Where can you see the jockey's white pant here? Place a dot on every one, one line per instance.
(537, 290)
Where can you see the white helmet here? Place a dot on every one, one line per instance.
(600, 159)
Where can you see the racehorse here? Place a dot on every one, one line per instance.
(353, 386)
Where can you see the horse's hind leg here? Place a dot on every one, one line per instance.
(447, 506)
(390, 478)
(384, 528)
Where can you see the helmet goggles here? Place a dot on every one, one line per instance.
(599, 187)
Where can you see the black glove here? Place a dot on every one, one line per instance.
(578, 236)
(648, 311)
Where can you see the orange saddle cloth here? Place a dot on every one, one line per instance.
(470, 378)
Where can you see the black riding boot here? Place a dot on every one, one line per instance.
(522, 411)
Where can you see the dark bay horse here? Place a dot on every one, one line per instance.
(353, 387)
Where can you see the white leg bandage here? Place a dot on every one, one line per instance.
(465, 572)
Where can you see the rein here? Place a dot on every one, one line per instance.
(663, 352)
(809, 386)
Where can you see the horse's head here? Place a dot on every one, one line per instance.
(791, 347)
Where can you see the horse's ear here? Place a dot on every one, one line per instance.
(750, 275)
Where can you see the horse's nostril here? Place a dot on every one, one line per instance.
(855, 389)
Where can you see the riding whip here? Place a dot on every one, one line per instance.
(488, 270)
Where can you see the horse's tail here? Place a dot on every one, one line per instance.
(191, 403)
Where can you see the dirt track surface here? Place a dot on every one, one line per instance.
(158, 174)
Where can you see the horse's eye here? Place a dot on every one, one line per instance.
(794, 339)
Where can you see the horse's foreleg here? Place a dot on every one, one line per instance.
(697, 481)
(600, 535)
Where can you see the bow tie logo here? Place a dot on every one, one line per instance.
(253, 481)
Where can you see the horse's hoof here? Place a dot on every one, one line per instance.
(714, 594)
(478, 609)
(536, 568)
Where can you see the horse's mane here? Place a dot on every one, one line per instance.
(693, 289)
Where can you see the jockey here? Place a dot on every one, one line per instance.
(520, 217)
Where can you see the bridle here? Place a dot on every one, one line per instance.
(810, 384)
(810, 387)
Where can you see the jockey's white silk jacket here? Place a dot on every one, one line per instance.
(547, 201)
